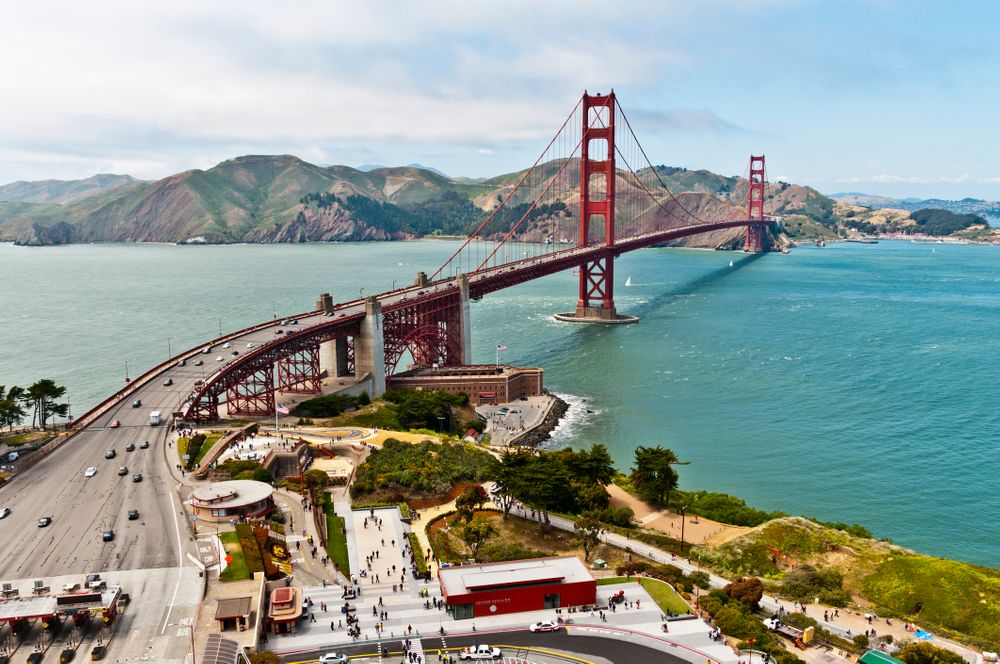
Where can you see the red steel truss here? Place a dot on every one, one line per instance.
(755, 205)
(299, 372)
(597, 204)
(254, 394)
(430, 329)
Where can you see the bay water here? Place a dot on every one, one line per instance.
(853, 382)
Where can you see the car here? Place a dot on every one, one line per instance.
(137, 477)
(144, 445)
(249, 344)
(219, 358)
(333, 658)
(772, 623)
(108, 536)
(137, 403)
(168, 382)
(206, 350)
(479, 652)
(198, 363)
(123, 470)
(236, 352)
(284, 322)
(90, 472)
(199, 382)
(227, 345)
(44, 521)
(133, 515)
(110, 454)
(114, 424)
(293, 322)
(544, 626)
(182, 363)
(328, 314)
(130, 447)
(13, 456)
(279, 331)
(4, 511)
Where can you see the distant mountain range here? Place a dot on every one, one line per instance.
(280, 198)
(963, 206)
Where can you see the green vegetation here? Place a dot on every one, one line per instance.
(425, 409)
(426, 467)
(192, 449)
(246, 470)
(41, 397)
(237, 569)
(330, 405)
(612, 580)
(671, 574)
(737, 620)
(336, 538)
(942, 222)
(250, 547)
(404, 509)
(665, 596)
(722, 507)
(921, 652)
(653, 475)
(417, 553)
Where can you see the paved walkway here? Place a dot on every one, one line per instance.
(517, 418)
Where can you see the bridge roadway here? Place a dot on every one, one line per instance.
(82, 508)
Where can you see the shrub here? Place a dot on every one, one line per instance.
(615, 516)
(193, 448)
(426, 466)
(921, 652)
(747, 590)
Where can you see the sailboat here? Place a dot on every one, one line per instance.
(628, 282)
(730, 263)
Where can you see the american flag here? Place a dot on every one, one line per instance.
(281, 409)
(501, 347)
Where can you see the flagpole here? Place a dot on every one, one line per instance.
(498, 355)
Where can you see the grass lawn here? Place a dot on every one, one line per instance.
(663, 594)
(210, 440)
(612, 580)
(336, 542)
(22, 438)
(236, 570)
(182, 446)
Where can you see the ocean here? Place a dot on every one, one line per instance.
(851, 383)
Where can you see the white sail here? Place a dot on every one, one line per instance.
(628, 281)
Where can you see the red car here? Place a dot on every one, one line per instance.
(115, 424)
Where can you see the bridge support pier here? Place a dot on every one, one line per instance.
(464, 319)
(369, 347)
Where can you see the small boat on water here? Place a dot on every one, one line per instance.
(821, 242)
(628, 281)
(730, 263)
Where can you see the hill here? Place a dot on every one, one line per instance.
(265, 198)
(963, 206)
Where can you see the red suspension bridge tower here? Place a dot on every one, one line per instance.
(755, 205)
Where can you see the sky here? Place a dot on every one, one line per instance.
(883, 97)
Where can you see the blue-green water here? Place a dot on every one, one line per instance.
(853, 382)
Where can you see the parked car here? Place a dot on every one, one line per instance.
(90, 472)
(544, 626)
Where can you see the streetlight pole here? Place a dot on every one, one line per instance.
(361, 293)
(682, 528)
(194, 659)
(169, 354)
(393, 285)
(220, 326)
(274, 310)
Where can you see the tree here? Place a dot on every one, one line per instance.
(42, 396)
(594, 465)
(264, 657)
(12, 408)
(747, 590)
(476, 532)
(921, 652)
(543, 486)
(587, 532)
(317, 478)
(466, 503)
(653, 474)
(507, 476)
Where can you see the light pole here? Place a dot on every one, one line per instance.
(127, 379)
(393, 284)
(169, 354)
(220, 326)
(274, 310)
(361, 294)
(194, 659)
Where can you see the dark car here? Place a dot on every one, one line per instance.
(144, 445)
(123, 471)
(137, 403)
(130, 447)
(137, 477)
(110, 454)
(236, 352)
(133, 515)
(182, 363)
(108, 536)
(279, 331)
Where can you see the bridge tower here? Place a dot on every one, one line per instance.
(755, 205)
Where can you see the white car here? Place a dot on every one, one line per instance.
(226, 345)
(544, 626)
(333, 658)
(90, 472)
(4, 511)
(250, 345)
(219, 358)
(479, 652)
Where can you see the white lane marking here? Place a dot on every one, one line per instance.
(180, 567)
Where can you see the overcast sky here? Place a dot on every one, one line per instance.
(894, 98)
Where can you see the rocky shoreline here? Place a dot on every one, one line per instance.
(543, 431)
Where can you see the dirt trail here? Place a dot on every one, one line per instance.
(697, 530)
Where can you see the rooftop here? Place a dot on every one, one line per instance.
(234, 493)
(463, 370)
(232, 607)
(467, 579)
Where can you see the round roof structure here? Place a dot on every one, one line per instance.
(234, 493)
